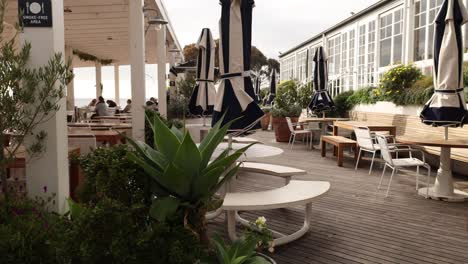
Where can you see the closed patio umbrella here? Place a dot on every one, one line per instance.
(258, 98)
(447, 107)
(204, 94)
(235, 96)
(272, 95)
(321, 101)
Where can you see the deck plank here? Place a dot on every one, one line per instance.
(354, 222)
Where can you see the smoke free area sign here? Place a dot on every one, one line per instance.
(35, 13)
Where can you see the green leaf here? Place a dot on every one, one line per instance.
(76, 209)
(163, 208)
(154, 157)
(257, 260)
(229, 160)
(221, 251)
(165, 140)
(178, 133)
(176, 180)
(218, 137)
(188, 158)
(201, 188)
(231, 173)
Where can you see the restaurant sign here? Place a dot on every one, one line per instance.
(35, 13)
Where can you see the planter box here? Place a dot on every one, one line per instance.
(266, 121)
(280, 125)
(389, 108)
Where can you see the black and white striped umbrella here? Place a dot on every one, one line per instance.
(258, 98)
(235, 96)
(204, 95)
(272, 94)
(447, 107)
(321, 101)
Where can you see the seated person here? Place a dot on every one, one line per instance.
(92, 103)
(128, 107)
(101, 107)
(111, 103)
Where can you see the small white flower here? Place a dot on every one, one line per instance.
(271, 250)
(261, 221)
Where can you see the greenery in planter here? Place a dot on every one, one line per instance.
(183, 179)
(342, 105)
(178, 107)
(187, 85)
(29, 96)
(305, 94)
(286, 101)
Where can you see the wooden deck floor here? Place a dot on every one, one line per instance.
(354, 222)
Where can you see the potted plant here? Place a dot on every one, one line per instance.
(266, 118)
(286, 105)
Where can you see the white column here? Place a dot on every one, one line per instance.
(137, 64)
(50, 170)
(408, 37)
(161, 59)
(117, 83)
(98, 79)
(71, 85)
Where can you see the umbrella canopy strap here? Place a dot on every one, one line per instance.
(202, 80)
(235, 74)
(450, 91)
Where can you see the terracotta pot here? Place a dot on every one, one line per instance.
(280, 125)
(266, 121)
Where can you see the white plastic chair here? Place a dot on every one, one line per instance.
(399, 163)
(111, 111)
(86, 143)
(303, 132)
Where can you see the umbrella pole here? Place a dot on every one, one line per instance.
(323, 115)
(204, 120)
(446, 133)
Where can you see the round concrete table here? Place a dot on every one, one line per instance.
(443, 188)
(255, 151)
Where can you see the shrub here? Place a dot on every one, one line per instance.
(29, 233)
(286, 101)
(363, 96)
(399, 78)
(109, 232)
(305, 93)
(187, 85)
(110, 174)
(178, 107)
(422, 84)
(342, 104)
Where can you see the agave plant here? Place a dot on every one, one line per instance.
(241, 251)
(184, 176)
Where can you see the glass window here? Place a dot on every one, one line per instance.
(371, 54)
(334, 55)
(351, 59)
(287, 68)
(301, 65)
(391, 38)
(425, 12)
(361, 56)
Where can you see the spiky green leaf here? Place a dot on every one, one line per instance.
(165, 207)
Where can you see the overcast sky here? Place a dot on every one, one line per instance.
(277, 24)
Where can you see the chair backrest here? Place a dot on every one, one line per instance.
(86, 143)
(386, 155)
(290, 124)
(364, 137)
(111, 110)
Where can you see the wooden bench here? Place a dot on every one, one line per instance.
(272, 170)
(339, 143)
(294, 194)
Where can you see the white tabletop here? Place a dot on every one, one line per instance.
(256, 151)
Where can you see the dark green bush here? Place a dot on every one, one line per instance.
(30, 234)
(305, 93)
(110, 174)
(342, 105)
(110, 232)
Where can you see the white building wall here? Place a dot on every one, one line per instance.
(394, 36)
